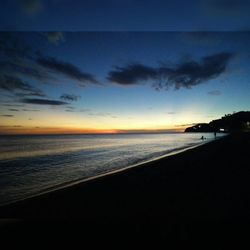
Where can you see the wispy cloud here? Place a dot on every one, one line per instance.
(186, 125)
(12, 105)
(85, 110)
(25, 68)
(67, 69)
(14, 110)
(18, 86)
(8, 126)
(20, 60)
(102, 114)
(8, 115)
(214, 92)
(31, 110)
(43, 101)
(70, 107)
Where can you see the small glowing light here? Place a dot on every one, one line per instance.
(222, 129)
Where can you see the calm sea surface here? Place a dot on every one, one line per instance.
(30, 165)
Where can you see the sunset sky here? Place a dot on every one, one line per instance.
(70, 81)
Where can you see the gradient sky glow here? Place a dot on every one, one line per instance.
(121, 66)
(71, 73)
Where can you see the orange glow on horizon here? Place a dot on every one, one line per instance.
(55, 130)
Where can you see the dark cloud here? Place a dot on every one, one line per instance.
(31, 7)
(31, 110)
(70, 97)
(186, 74)
(20, 60)
(132, 74)
(192, 73)
(14, 110)
(214, 92)
(8, 115)
(11, 105)
(43, 101)
(18, 87)
(55, 37)
(66, 69)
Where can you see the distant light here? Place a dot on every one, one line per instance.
(222, 129)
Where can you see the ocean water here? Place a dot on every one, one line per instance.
(30, 165)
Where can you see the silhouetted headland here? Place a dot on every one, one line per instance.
(236, 122)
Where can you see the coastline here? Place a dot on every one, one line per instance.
(197, 195)
(144, 163)
(153, 170)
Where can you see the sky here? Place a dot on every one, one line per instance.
(105, 66)
(125, 15)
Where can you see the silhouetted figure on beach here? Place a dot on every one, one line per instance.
(214, 134)
(202, 138)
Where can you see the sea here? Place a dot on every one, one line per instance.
(34, 164)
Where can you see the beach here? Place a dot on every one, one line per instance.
(204, 188)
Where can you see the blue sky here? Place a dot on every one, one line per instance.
(125, 15)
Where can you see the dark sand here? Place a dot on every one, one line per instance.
(202, 193)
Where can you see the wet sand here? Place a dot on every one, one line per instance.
(200, 193)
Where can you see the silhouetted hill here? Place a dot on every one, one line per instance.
(239, 121)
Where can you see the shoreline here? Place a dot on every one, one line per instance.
(199, 195)
(80, 181)
(208, 182)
